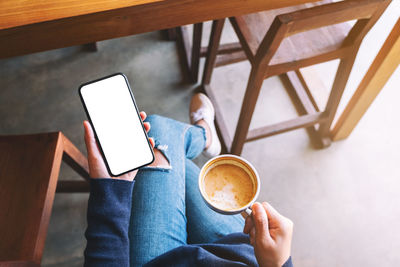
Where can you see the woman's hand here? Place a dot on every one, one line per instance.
(270, 235)
(97, 167)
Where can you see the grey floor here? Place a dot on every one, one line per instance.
(344, 200)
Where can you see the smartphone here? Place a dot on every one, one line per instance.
(111, 109)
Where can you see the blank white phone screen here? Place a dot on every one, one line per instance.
(117, 124)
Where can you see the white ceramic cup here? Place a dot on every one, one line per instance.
(239, 162)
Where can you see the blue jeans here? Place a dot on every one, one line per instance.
(167, 208)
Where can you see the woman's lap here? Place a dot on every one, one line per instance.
(167, 209)
(203, 224)
(158, 220)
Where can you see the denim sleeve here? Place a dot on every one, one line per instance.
(288, 263)
(108, 214)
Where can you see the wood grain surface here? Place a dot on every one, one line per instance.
(29, 169)
(61, 23)
(28, 182)
(23, 12)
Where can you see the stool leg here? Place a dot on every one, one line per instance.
(196, 46)
(342, 75)
(184, 47)
(382, 68)
(212, 50)
(249, 103)
(92, 47)
(73, 187)
(74, 158)
(171, 34)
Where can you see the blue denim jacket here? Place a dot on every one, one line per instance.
(109, 211)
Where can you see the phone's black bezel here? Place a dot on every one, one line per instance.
(94, 129)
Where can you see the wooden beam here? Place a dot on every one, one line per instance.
(74, 158)
(213, 44)
(68, 23)
(220, 122)
(302, 79)
(223, 49)
(227, 59)
(385, 63)
(289, 125)
(298, 93)
(73, 187)
(302, 92)
(324, 15)
(196, 47)
(17, 263)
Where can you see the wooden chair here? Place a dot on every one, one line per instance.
(29, 168)
(280, 42)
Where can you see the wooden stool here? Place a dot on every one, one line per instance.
(29, 168)
(189, 52)
(280, 43)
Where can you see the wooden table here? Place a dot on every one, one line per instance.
(28, 26)
(32, 26)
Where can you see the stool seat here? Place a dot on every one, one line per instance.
(29, 168)
(296, 47)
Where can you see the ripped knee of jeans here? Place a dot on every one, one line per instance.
(161, 161)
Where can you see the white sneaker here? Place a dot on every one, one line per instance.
(201, 108)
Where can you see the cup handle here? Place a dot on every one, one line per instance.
(248, 211)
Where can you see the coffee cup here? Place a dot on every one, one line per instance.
(229, 184)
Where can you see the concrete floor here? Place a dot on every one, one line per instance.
(343, 199)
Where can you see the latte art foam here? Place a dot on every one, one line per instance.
(228, 187)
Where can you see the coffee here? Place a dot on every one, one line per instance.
(229, 187)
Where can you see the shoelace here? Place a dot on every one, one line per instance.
(198, 115)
